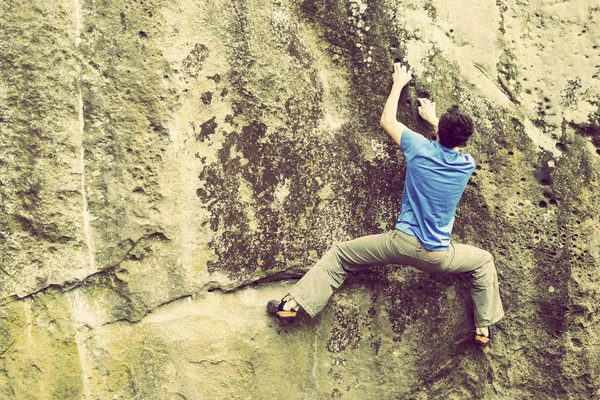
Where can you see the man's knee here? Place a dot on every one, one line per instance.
(332, 256)
(488, 258)
(331, 264)
(485, 274)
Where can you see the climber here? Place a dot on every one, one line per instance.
(436, 176)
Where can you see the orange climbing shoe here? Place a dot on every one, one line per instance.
(482, 340)
(275, 307)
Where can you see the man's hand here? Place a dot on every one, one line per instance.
(401, 75)
(427, 112)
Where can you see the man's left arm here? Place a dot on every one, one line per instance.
(388, 121)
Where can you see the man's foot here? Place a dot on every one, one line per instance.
(285, 310)
(483, 336)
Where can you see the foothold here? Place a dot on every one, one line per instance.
(215, 77)
(206, 129)
(543, 204)
(206, 97)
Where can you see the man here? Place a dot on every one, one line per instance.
(436, 176)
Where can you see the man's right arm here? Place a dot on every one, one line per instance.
(388, 120)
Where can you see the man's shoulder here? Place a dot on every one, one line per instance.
(468, 158)
(411, 142)
(414, 135)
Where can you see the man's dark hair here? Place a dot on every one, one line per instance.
(454, 128)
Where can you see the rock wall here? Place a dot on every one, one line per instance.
(167, 167)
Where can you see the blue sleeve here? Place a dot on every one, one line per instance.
(411, 142)
(472, 161)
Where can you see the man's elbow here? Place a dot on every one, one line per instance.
(385, 123)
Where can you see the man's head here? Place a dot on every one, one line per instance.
(454, 128)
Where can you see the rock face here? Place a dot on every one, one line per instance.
(167, 167)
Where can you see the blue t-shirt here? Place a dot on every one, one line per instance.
(436, 178)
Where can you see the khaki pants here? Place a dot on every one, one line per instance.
(396, 247)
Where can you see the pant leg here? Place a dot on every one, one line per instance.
(312, 292)
(479, 266)
(315, 288)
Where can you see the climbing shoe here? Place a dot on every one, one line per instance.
(482, 340)
(275, 307)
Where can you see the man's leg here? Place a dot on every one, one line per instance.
(479, 265)
(312, 292)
